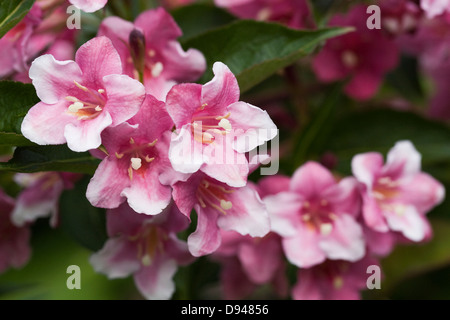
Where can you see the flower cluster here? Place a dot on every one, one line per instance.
(175, 156)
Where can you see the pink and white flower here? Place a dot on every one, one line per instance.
(397, 195)
(15, 250)
(333, 280)
(214, 129)
(89, 5)
(40, 196)
(364, 55)
(160, 55)
(146, 247)
(317, 217)
(137, 158)
(219, 207)
(80, 98)
(293, 13)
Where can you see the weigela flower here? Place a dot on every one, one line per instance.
(333, 280)
(317, 216)
(89, 5)
(248, 262)
(397, 195)
(80, 98)
(14, 241)
(293, 13)
(158, 55)
(214, 129)
(364, 55)
(219, 206)
(137, 157)
(40, 196)
(146, 247)
(13, 52)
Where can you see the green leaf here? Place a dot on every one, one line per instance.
(198, 18)
(255, 50)
(50, 158)
(379, 129)
(16, 99)
(85, 223)
(12, 12)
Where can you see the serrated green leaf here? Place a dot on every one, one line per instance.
(16, 99)
(12, 12)
(255, 50)
(50, 158)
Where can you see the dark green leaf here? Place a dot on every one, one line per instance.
(50, 158)
(12, 12)
(85, 223)
(16, 99)
(255, 50)
(198, 18)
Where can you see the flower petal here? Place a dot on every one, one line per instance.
(86, 134)
(221, 91)
(117, 259)
(125, 97)
(45, 123)
(105, 188)
(248, 214)
(346, 241)
(206, 238)
(98, 58)
(54, 79)
(251, 126)
(311, 179)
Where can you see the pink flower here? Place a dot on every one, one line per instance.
(317, 217)
(80, 98)
(219, 206)
(397, 195)
(248, 262)
(13, 52)
(435, 8)
(136, 161)
(89, 5)
(214, 129)
(157, 52)
(41, 31)
(145, 247)
(14, 241)
(293, 13)
(40, 196)
(333, 280)
(364, 56)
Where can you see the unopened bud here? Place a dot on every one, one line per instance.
(137, 50)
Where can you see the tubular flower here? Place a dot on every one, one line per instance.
(80, 98)
(397, 195)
